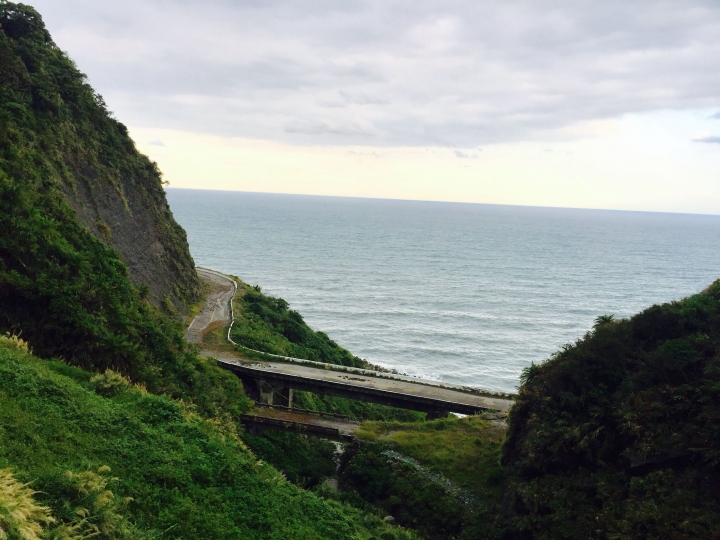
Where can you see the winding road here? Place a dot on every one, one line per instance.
(216, 306)
(398, 391)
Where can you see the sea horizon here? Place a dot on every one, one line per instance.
(172, 188)
(465, 293)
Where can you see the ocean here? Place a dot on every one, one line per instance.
(463, 293)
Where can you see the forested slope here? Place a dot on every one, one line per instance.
(64, 286)
(618, 435)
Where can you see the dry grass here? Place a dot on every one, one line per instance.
(11, 340)
(110, 383)
(20, 516)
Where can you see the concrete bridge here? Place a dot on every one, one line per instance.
(272, 382)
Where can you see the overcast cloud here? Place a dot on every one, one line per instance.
(414, 73)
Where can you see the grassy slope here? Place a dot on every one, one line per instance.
(268, 324)
(466, 451)
(618, 435)
(188, 476)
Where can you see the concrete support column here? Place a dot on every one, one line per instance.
(283, 396)
(266, 392)
(271, 395)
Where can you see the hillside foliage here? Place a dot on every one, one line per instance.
(618, 435)
(137, 465)
(267, 324)
(66, 292)
(442, 477)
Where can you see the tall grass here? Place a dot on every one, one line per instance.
(20, 516)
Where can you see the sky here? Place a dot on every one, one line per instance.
(610, 104)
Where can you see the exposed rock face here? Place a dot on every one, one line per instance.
(136, 220)
(55, 130)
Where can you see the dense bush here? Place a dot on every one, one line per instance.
(618, 435)
(398, 488)
(440, 477)
(305, 461)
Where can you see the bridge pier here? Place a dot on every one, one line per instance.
(272, 395)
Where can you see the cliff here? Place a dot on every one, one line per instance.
(64, 137)
(88, 246)
(94, 373)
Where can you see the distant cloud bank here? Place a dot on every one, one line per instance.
(453, 73)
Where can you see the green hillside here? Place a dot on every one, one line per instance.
(267, 324)
(188, 476)
(618, 435)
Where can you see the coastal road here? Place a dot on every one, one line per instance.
(398, 391)
(216, 307)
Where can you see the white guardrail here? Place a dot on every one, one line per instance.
(350, 369)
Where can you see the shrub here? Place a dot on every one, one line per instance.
(110, 383)
(93, 510)
(11, 340)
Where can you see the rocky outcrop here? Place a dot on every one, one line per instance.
(134, 217)
(56, 133)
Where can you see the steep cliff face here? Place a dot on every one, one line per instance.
(62, 130)
(133, 216)
(88, 245)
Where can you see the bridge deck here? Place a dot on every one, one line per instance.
(292, 420)
(398, 393)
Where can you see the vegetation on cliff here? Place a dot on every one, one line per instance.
(440, 477)
(67, 292)
(618, 435)
(267, 324)
(60, 144)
